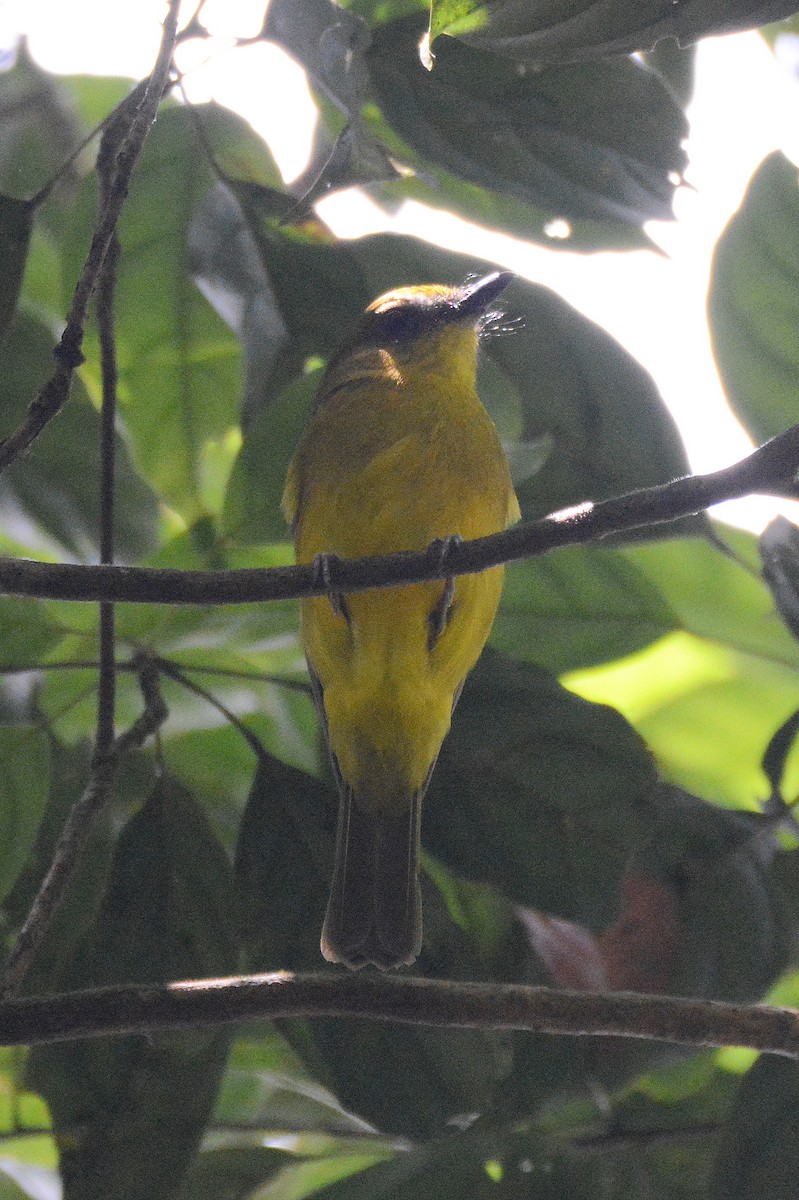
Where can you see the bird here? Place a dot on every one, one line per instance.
(399, 453)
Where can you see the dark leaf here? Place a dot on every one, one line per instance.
(16, 223)
(735, 924)
(599, 143)
(356, 158)
(759, 1151)
(569, 32)
(538, 792)
(233, 1174)
(284, 862)
(401, 1080)
(753, 301)
(779, 551)
(24, 786)
(130, 1112)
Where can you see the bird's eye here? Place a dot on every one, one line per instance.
(400, 324)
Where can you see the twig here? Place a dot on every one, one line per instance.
(96, 796)
(404, 1001)
(175, 672)
(771, 469)
(104, 307)
(133, 120)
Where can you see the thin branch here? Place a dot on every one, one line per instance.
(771, 469)
(174, 672)
(105, 310)
(404, 1001)
(132, 123)
(74, 836)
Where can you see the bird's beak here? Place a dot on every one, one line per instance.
(475, 297)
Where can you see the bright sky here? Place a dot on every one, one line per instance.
(744, 107)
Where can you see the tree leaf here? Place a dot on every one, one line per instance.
(753, 301)
(16, 225)
(252, 503)
(736, 929)
(131, 1111)
(759, 1151)
(577, 607)
(587, 29)
(57, 484)
(24, 784)
(179, 364)
(598, 143)
(538, 793)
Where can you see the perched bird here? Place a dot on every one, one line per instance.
(399, 453)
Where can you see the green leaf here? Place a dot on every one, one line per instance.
(718, 596)
(578, 607)
(538, 793)
(179, 364)
(57, 484)
(131, 1111)
(753, 301)
(16, 224)
(759, 1151)
(69, 776)
(597, 143)
(252, 504)
(24, 784)
(586, 29)
(26, 634)
(707, 700)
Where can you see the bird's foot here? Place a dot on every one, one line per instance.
(441, 614)
(323, 575)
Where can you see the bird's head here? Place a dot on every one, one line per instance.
(425, 325)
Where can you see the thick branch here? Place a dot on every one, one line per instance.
(132, 122)
(771, 469)
(406, 1001)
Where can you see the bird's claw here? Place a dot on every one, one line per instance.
(323, 575)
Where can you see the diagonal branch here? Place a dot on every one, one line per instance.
(771, 469)
(405, 1001)
(131, 125)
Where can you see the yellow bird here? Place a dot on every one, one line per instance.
(398, 453)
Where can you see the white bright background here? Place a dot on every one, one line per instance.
(744, 106)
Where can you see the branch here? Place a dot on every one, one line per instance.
(131, 125)
(404, 1001)
(771, 469)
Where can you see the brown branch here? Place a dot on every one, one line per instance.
(771, 469)
(404, 1001)
(131, 125)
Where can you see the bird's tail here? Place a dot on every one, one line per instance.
(374, 914)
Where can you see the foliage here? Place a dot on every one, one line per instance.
(607, 809)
